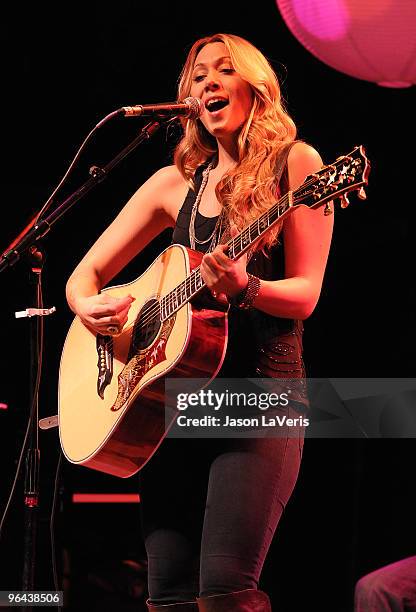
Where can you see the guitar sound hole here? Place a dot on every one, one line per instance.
(146, 327)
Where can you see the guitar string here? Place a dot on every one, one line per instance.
(175, 296)
(171, 299)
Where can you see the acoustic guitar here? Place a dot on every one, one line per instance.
(111, 389)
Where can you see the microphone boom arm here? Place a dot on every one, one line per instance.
(42, 227)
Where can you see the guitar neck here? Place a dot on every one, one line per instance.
(348, 173)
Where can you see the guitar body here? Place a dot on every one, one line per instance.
(111, 389)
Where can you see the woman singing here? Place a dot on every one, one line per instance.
(208, 529)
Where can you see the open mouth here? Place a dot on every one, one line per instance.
(215, 105)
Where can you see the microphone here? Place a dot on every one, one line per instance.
(191, 108)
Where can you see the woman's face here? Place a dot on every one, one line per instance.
(227, 97)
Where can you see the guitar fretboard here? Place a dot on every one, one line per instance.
(347, 173)
(238, 245)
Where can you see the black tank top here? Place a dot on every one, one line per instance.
(259, 344)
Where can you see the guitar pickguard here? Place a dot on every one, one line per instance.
(140, 363)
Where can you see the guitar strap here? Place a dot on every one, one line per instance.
(281, 169)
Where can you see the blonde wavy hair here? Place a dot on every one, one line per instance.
(248, 189)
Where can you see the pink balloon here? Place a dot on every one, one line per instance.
(374, 40)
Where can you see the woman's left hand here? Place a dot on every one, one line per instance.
(223, 275)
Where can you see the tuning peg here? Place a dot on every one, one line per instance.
(362, 194)
(344, 201)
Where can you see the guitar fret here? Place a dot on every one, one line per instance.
(183, 292)
(167, 309)
(263, 224)
(187, 288)
(272, 216)
(175, 300)
(199, 282)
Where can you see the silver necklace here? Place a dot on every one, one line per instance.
(214, 236)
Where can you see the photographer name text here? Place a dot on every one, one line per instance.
(260, 421)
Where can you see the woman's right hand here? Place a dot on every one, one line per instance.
(99, 312)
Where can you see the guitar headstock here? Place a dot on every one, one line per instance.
(348, 173)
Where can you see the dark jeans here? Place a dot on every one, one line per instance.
(389, 589)
(210, 508)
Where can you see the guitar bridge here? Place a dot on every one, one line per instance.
(104, 363)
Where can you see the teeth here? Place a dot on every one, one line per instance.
(213, 100)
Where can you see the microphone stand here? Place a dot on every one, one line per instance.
(8, 259)
(32, 461)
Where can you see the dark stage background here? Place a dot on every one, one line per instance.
(69, 65)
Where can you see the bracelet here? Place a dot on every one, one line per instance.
(246, 297)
